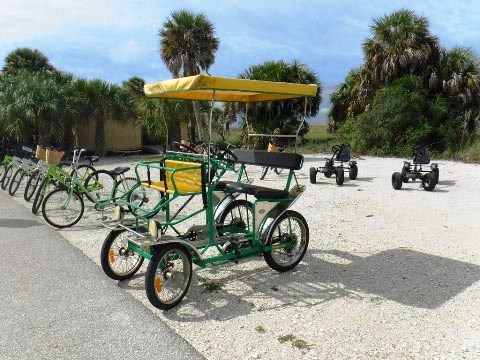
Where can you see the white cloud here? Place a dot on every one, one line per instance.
(126, 52)
(23, 18)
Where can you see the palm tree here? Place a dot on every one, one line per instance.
(345, 101)
(187, 47)
(460, 74)
(401, 44)
(282, 116)
(25, 59)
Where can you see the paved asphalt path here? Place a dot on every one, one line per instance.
(55, 303)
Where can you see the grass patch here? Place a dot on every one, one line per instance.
(209, 285)
(260, 329)
(298, 343)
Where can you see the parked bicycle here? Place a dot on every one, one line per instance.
(64, 206)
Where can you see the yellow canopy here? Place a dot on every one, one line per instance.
(202, 87)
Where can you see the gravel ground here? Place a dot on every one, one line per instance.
(388, 274)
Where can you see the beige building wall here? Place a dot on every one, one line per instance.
(118, 136)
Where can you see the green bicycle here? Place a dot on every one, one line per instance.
(64, 206)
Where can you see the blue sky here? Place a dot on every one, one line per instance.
(115, 40)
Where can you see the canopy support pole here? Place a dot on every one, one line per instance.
(248, 127)
(304, 120)
(210, 132)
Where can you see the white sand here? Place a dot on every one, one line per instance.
(388, 274)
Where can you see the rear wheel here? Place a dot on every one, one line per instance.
(353, 172)
(6, 177)
(436, 173)
(289, 227)
(313, 175)
(124, 186)
(397, 180)
(62, 208)
(168, 276)
(15, 182)
(119, 262)
(100, 186)
(340, 176)
(428, 182)
(143, 200)
(84, 171)
(238, 214)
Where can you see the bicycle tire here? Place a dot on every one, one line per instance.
(100, 186)
(83, 171)
(6, 177)
(3, 167)
(39, 195)
(15, 181)
(50, 207)
(124, 186)
(32, 185)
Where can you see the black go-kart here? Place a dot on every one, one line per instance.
(341, 154)
(413, 172)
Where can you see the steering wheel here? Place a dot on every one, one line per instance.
(335, 149)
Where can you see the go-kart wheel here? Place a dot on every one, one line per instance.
(428, 182)
(353, 172)
(405, 177)
(313, 175)
(436, 173)
(290, 226)
(328, 169)
(340, 176)
(397, 180)
(168, 276)
(263, 172)
(118, 262)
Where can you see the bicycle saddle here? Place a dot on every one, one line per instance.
(92, 159)
(120, 170)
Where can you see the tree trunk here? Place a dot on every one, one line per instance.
(100, 137)
(198, 119)
(68, 135)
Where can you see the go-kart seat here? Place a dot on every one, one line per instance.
(92, 159)
(343, 154)
(421, 155)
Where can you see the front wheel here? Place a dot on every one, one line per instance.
(313, 175)
(2, 172)
(119, 262)
(263, 173)
(15, 182)
(340, 176)
(289, 227)
(62, 208)
(32, 185)
(397, 180)
(6, 177)
(428, 182)
(168, 276)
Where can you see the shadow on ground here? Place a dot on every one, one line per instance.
(404, 276)
(18, 223)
